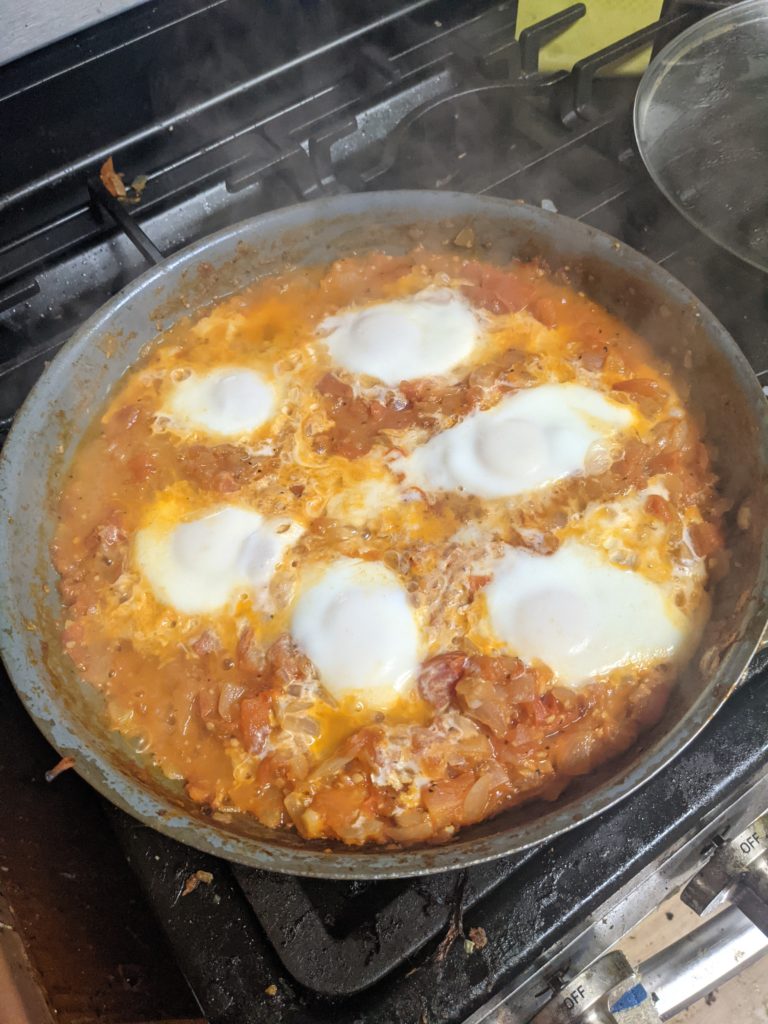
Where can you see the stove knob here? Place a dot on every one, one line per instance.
(607, 992)
(737, 871)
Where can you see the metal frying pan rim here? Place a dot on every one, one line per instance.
(311, 859)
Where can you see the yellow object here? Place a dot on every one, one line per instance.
(605, 22)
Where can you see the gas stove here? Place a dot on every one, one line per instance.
(231, 110)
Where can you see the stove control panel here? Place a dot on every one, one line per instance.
(611, 991)
(737, 872)
(607, 992)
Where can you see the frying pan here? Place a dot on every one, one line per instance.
(723, 391)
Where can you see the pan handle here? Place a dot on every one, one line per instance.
(123, 219)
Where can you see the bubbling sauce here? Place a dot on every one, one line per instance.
(240, 509)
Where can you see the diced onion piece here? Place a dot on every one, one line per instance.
(599, 458)
(476, 800)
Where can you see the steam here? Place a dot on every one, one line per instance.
(430, 98)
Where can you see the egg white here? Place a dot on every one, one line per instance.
(364, 501)
(425, 335)
(582, 616)
(230, 401)
(529, 440)
(205, 564)
(353, 620)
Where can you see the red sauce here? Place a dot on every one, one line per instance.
(486, 730)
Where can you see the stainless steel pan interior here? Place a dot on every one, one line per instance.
(47, 430)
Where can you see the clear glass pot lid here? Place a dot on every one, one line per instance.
(701, 122)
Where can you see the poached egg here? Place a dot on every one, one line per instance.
(207, 563)
(353, 620)
(425, 335)
(230, 401)
(581, 615)
(529, 440)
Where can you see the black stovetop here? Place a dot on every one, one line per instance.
(232, 109)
